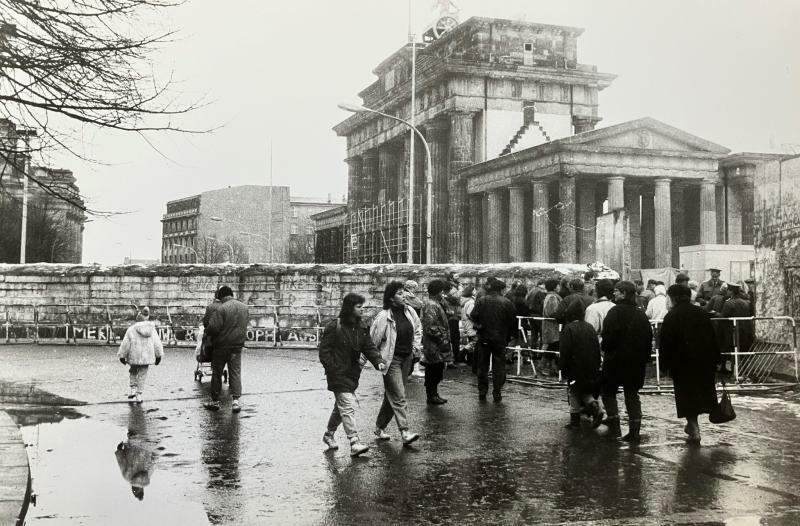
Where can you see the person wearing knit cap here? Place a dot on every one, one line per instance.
(140, 348)
(626, 345)
(496, 320)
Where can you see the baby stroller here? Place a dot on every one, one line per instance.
(203, 358)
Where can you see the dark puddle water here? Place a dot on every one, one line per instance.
(87, 472)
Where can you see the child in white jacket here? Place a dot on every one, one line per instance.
(140, 348)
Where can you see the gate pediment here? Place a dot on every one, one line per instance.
(646, 134)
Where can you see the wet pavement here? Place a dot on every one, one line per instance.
(476, 463)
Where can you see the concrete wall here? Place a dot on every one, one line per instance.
(732, 260)
(98, 301)
(776, 230)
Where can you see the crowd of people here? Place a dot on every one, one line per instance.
(598, 333)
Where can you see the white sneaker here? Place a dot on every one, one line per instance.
(132, 394)
(417, 372)
(137, 398)
(236, 406)
(380, 434)
(357, 448)
(330, 441)
(408, 437)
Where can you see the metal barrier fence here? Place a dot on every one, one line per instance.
(756, 348)
(106, 323)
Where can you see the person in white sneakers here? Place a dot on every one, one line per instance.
(343, 341)
(397, 333)
(140, 348)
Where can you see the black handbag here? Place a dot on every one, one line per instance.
(205, 350)
(724, 411)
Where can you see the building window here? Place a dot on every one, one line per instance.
(294, 212)
(388, 80)
(565, 93)
(542, 92)
(310, 229)
(294, 230)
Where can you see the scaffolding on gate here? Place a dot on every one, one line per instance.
(379, 233)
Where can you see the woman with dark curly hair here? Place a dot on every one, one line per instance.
(397, 333)
(343, 341)
(436, 347)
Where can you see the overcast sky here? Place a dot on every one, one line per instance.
(727, 71)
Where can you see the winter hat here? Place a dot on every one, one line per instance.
(144, 314)
(494, 284)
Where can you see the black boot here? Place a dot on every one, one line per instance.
(614, 431)
(633, 435)
(574, 421)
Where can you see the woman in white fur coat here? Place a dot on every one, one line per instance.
(140, 348)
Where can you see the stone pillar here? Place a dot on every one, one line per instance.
(540, 226)
(584, 123)
(708, 212)
(678, 231)
(566, 226)
(587, 220)
(461, 156)
(648, 228)
(721, 234)
(405, 168)
(437, 140)
(616, 193)
(734, 220)
(516, 224)
(369, 176)
(494, 225)
(475, 228)
(484, 227)
(388, 169)
(354, 186)
(633, 211)
(663, 223)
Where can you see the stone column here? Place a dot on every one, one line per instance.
(584, 123)
(540, 226)
(475, 229)
(405, 168)
(587, 220)
(708, 212)
(484, 227)
(436, 132)
(678, 232)
(648, 228)
(566, 226)
(632, 210)
(354, 186)
(663, 223)
(616, 193)
(461, 156)
(516, 224)
(494, 225)
(734, 220)
(369, 176)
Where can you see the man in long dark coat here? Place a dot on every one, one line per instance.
(689, 352)
(627, 345)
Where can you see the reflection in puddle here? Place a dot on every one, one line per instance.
(76, 466)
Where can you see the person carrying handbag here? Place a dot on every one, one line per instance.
(690, 353)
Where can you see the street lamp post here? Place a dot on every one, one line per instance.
(25, 134)
(355, 108)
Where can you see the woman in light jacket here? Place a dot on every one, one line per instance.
(397, 333)
(140, 348)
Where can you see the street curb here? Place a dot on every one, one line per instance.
(15, 476)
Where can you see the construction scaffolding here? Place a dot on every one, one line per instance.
(379, 234)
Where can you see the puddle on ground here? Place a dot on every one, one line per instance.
(87, 472)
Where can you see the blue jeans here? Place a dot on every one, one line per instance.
(394, 396)
(344, 412)
(233, 358)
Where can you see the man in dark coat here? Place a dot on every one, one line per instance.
(737, 306)
(227, 330)
(579, 361)
(496, 321)
(710, 288)
(576, 295)
(689, 352)
(343, 341)
(627, 344)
